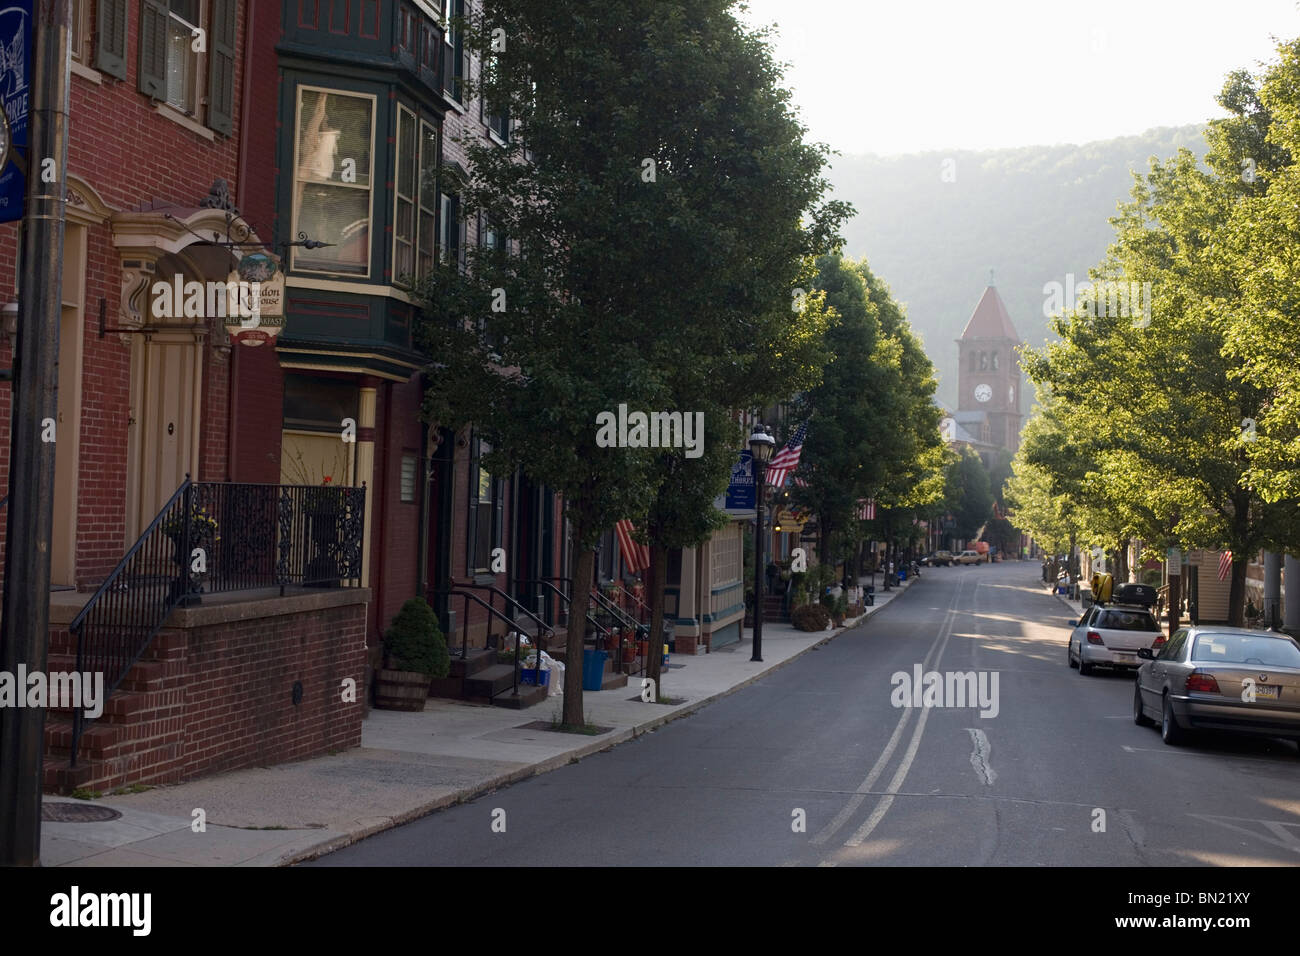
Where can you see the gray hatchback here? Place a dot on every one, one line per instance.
(1220, 678)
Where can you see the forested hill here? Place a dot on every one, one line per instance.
(933, 224)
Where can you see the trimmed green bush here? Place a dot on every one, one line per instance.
(810, 617)
(415, 642)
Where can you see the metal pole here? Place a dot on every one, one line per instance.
(760, 469)
(24, 631)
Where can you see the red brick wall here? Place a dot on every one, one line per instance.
(132, 156)
(219, 697)
(397, 525)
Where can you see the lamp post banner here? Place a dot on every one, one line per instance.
(15, 70)
(740, 492)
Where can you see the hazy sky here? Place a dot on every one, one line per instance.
(897, 76)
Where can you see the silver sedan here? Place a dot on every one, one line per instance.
(1220, 678)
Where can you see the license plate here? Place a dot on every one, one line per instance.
(1266, 693)
(1126, 655)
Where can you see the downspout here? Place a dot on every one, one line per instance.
(232, 400)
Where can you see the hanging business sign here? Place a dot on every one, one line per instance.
(15, 68)
(255, 301)
(1173, 561)
(790, 521)
(740, 492)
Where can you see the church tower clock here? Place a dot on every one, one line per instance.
(988, 374)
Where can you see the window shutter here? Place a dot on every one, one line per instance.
(153, 48)
(110, 38)
(221, 67)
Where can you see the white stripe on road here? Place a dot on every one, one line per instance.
(860, 795)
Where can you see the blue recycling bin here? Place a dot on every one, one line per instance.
(593, 668)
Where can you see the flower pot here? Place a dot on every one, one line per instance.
(401, 690)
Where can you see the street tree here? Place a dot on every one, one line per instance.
(650, 242)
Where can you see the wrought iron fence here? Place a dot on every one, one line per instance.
(211, 538)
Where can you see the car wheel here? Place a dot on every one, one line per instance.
(1084, 667)
(1139, 715)
(1170, 732)
(1069, 653)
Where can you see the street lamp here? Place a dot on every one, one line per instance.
(761, 445)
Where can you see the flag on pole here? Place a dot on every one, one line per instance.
(866, 509)
(1225, 564)
(635, 556)
(787, 459)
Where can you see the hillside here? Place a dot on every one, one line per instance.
(1032, 214)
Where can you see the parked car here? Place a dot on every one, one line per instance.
(938, 559)
(969, 557)
(1220, 678)
(1111, 635)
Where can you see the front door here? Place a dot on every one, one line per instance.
(166, 379)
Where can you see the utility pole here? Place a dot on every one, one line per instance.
(24, 630)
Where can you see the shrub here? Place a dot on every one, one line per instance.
(798, 592)
(810, 617)
(841, 605)
(415, 642)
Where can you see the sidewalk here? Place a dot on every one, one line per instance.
(408, 765)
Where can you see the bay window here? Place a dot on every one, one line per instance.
(332, 179)
(416, 189)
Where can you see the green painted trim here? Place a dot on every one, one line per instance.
(709, 618)
(728, 587)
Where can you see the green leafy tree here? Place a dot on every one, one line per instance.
(658, 206)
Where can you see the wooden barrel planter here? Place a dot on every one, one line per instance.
(401, 690)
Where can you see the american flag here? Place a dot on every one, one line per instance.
(866, 509)
(787, 459)
(1225, 564)
(635, 556)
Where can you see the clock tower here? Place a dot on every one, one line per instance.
(988, 374)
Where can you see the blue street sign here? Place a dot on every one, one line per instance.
(15, 69)
(740, 493)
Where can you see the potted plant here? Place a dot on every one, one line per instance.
(414, 653)
(202, 528)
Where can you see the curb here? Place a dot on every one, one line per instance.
(474, 791)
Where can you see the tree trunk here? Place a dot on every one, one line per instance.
(658, 578)
(1121, 562)
(577, 632)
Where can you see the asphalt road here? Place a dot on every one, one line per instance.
(1060, 775)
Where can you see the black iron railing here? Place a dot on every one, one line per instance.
(561, 616)
(466, 593)
(211, 538)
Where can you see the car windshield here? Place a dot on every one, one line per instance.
(1128, 621)
(1246, 649)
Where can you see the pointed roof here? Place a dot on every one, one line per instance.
(990, 319)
